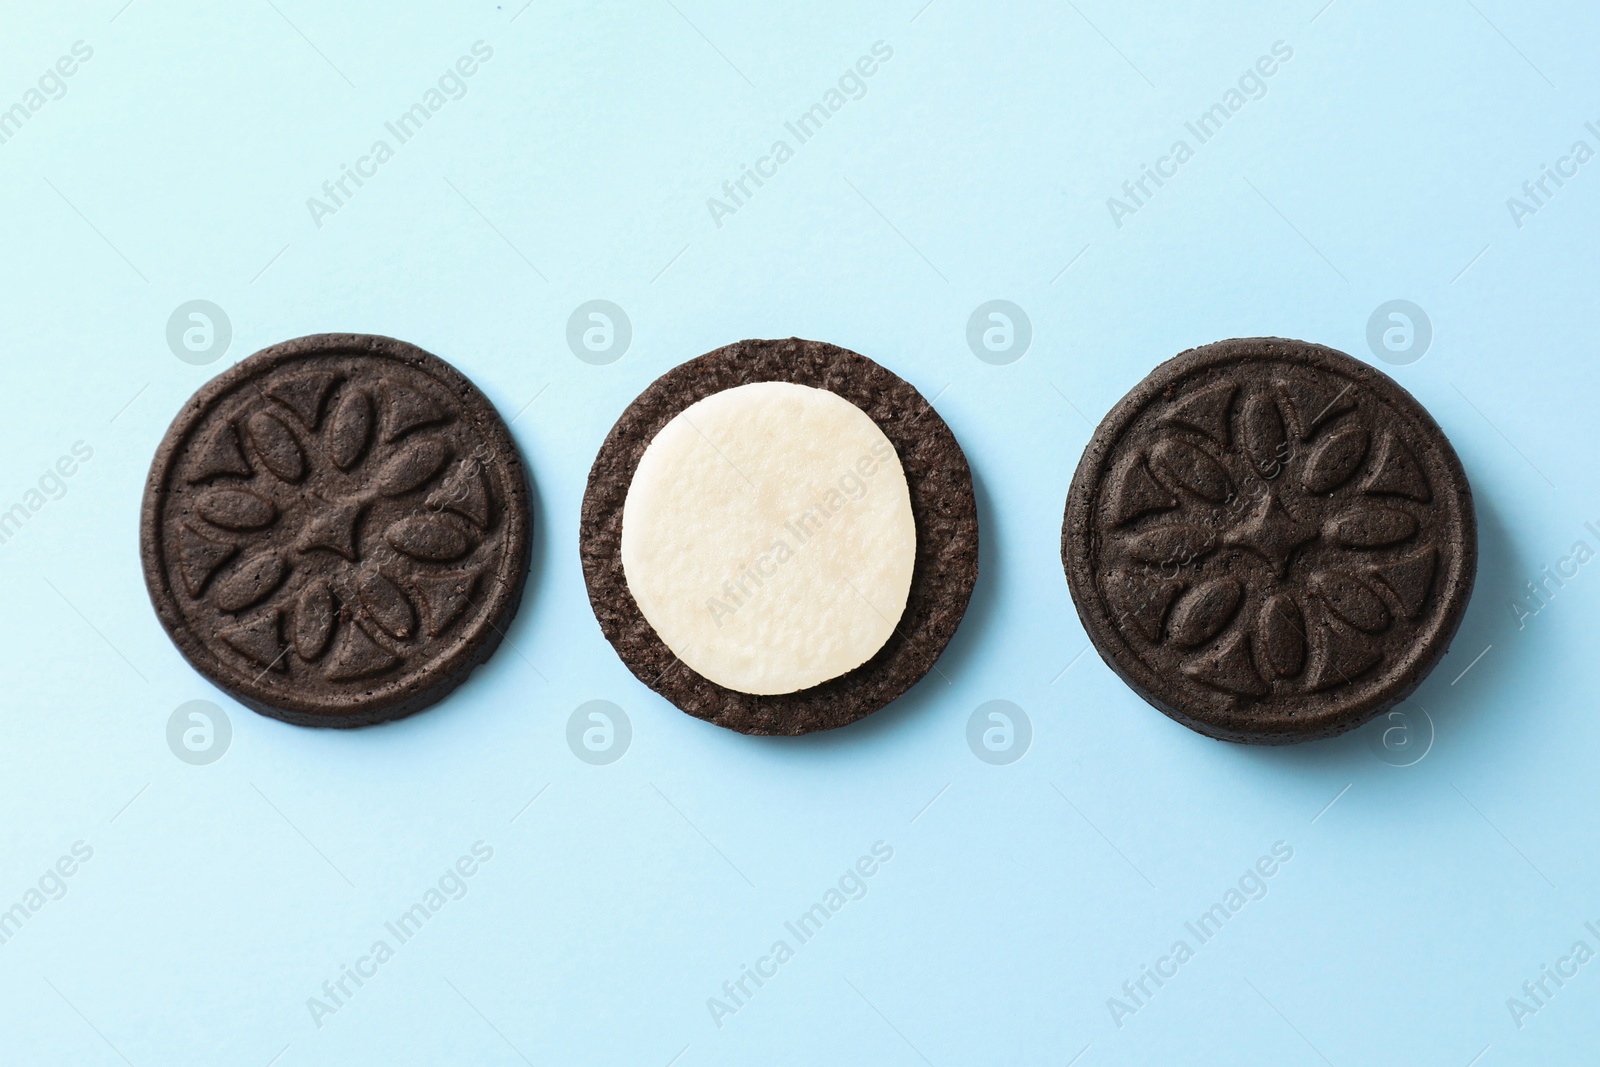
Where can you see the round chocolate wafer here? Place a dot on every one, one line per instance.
(942, 504)
(1270, 541)
(336, 530)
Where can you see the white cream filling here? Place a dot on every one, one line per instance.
(767, 537)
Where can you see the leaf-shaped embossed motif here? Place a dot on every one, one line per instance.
(1203, 611)
(1334, 460)
(314, 616)
(1228, 667)
(1409, 578)
(444, 598)
(1182, 464)
(1206, 409)
(257, 639)
(1395, 470)
(350, 430)
(1313, 402)
(1281, 635)
(430, 538)
(1140, 600)
(1264, 436)
(1339, 656)
(1370, 526)
(304, 394)
(217, 451)
(466, 494)
(275, 445)
(333, 527)
(237, 509)
(1171, 546)
(250, 582)
(199, 556)
(357, 656)
(406, 409)
(1352, 600)
(413, 466)
(386, 604)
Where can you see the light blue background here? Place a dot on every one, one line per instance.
(977, 166)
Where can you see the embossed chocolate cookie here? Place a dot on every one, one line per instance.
(336, 530)
(767, 529)
(1270, 541)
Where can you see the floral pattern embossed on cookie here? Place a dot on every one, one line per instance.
(335, 522)
(1264, 536)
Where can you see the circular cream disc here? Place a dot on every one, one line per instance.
(767, 537)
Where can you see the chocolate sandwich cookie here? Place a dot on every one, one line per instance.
(1270, 541)
(336, 530)
(779, 536)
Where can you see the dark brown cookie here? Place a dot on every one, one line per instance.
(1270, 541)
(942, 506)
(336, 530)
